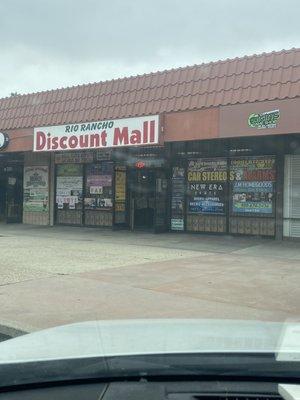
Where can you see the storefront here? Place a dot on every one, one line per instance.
(121, 189)
(232, 185)
(183, 159)
(216, 189)
(106, 174)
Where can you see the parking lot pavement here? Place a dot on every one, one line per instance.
(51, 276)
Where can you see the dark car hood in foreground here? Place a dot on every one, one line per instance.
(90, 349)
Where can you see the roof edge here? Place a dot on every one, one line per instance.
(220, 61)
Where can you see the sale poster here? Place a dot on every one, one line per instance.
(207, 184)
(253, 185)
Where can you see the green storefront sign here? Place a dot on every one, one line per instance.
(268, 119)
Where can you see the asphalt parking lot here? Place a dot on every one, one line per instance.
(52, 276)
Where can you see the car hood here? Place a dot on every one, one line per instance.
(139, 337)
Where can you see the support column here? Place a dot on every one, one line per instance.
(279, 196)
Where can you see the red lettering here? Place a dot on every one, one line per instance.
(135, 137)
(73, 142)
(103, 139)
(83, 141)
(259, 175)
(95, 140)
(55, 143)
(62, 142)
(120, 136)
(152, 131)
(40, 140)
(48, 141)
(145, 132)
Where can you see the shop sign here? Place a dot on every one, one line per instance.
(252, 185)
(35, 189)
(207, 170)
(264, 120)
(4, 140)
(207, 186)
(98, 135)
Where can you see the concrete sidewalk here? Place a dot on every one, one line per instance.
(51, 276)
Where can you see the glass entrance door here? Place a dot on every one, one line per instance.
(142, 199)
(14, 194)
(148, 192)
(2, 195)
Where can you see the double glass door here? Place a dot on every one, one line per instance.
(148, 197)
(11, 194)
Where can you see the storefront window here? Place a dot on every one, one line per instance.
(69, 186)
(99, 192)
(252, 183)
(207, 185)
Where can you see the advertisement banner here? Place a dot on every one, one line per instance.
(207, 186)
(207, 170)
(253, 185)
(36, 189)
(177, 199)
(207, 198)
(138, 131)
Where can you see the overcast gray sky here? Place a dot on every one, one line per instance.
(45, 44)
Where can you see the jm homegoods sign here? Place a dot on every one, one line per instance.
(96, 135)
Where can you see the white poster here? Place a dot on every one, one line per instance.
(35, 189)
(68, 185)
(177, 224)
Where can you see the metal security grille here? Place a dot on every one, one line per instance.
(292, 196)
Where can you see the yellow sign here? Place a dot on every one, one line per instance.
(120, 187)
(119, 206)
(207, 176)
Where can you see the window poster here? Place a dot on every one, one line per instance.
(252, 181)
(99, 179)
(69, 186)
(207, 183)
(177, 199)
(36, 189)
(120, 195)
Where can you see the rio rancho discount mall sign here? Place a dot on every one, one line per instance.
(139, 131)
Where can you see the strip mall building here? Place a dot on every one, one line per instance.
(209, 148)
